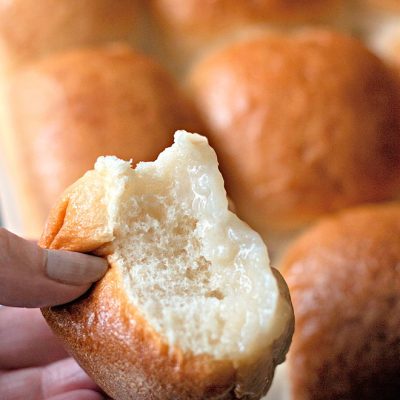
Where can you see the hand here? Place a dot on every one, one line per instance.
(33, 365)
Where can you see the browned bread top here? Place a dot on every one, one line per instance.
(304, 124)
(305, 104)
(189, 28)
(344, 279)
(30, 29)
(72, 107)
(197, 17)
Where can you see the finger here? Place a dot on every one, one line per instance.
(45, 382)
(34, 277)
(64, 376)
(26, 340)
(79, 395)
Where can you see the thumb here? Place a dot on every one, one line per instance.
(34, 277)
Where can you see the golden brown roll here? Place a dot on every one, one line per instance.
(61, 113)
(190, 308)
(344, 280)
(187, 27)
(30, 29)
(303, 124)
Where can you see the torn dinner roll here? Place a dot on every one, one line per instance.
(190, 308)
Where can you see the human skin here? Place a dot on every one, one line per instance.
(33, 364)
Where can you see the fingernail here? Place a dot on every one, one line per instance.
(74, 268)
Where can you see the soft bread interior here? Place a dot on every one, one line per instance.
(195, 272)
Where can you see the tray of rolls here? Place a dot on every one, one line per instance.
(301, 102)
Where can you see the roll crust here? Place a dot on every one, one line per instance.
(28, 33)
(128, 360)
(189, 28)
(344, 281)
(87, 103)
(304, 124)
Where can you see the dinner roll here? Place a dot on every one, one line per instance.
(188, 27)
(30, 29)
(63, 112)
(303, 124)
(344, 279)
(190, 308)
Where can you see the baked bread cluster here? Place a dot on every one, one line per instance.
(301, 101)
(302, 114)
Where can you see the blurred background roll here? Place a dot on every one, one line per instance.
(64, 111)
(304, 124)
(344, 279)
(188, 28)
(31, 29)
